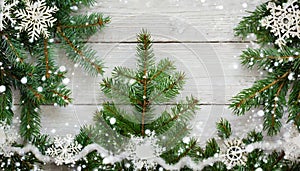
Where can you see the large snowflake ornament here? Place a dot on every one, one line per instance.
(284, 21)
(5, 13)
(234, 153)
(64, 150)
(143, 150)
(36, 18)
(8, 136)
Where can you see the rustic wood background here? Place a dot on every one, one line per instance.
(197, 34)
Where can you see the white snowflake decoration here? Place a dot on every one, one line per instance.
(64, 150)
(142, 151)
(284, 21)
(8, 136)
(36, 18)
(5, 13)
(235, 153)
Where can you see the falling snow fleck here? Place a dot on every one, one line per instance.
(24, 80)
(40, 89)
(66, 81)
(112, 121)
(2, 88)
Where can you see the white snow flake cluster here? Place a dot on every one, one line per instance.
(36, 18)
(235, 153)
(142, 151)
(5, 13)
(284, 21)
(64, 150)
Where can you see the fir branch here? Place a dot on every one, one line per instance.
(117, 90)
(145, 61)
(279, 158)
(281, 66)
(6, 113)
(84, 60)
(30, 119)
(170, 90)
(175, 136)
(239, 102)
(224, 128)
(139, 87)
(123, 74)
(251, 24)
(14, 50)
(187, 150)
(164, 66)
(253, 137)
(46, 58)
(111, 111)
(294, 104)
(180, 112)
(211, 148)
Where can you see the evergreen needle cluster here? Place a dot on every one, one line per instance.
(132, 112)
(280, 88)
(30, 67)
(140, 91)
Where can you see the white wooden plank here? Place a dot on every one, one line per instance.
(172, 20)
(213, 71)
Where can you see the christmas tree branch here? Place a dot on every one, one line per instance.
(110, 111)
(46, 58)
(279, 158)
(224, 128)
(13, 49)
(171, 90)
(79, 52)
(175, 136)
(187, 149)
(242, 101)
(6, 113)
(30, 119)
(125, 74)
(180, 110)
(164, 66)
(145, 101)
(118, 90)
(144, 52)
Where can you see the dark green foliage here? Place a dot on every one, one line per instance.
(135, 95)
(35, 61)
(280, 88)
(211, 148)
(16, 161)
(224, 128)
(253, 137)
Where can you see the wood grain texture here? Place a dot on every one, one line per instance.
(196, 34)
(174, 20)
(213, 70)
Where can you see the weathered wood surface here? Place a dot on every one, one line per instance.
(197, 34)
